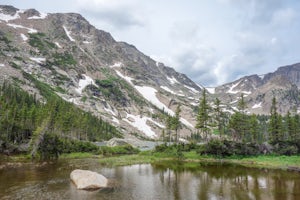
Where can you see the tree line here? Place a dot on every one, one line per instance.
(239, 133)
(245, 127)
(24, 119)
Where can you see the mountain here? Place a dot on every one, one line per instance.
(65, 55)
(258, 90)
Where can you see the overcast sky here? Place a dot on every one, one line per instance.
(212, 41)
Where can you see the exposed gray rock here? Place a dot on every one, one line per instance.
(117, 142)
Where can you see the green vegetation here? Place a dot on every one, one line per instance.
(62, 59)
(118, 150)
(41, 42)
(110, 88)
(53, 128)
(192, 158)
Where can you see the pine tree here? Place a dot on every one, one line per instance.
(203, 116)
(254, 128)
(176, 122)
(275, 125)
(219, 117)
(239, 121)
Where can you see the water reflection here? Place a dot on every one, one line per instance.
(166, 180)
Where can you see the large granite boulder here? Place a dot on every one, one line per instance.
(117, 142)
(88, 180)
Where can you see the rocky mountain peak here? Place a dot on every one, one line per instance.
(8, 10)
(291, 72)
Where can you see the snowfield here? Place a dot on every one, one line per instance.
(127, 78)
(24, 37)
(84, 82)
(58, 45)
(38, 60)
(211, 90)
(30, 30)
(42, 16)
(118, 64)
(7, 18)
(141, 124)
(149, 94)
(68, 33)
(258, 105)
(191, 89)
(231, 91)
(109, 110)
(172, 80)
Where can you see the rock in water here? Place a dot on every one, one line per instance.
(86, 180)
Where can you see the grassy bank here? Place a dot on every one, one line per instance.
(262, 161)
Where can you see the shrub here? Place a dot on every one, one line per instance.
(117, 150)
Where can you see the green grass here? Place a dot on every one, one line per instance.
(140, 158)
(262, 161)
(79, 155)
(270, 161)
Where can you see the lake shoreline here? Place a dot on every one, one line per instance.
(290, 163)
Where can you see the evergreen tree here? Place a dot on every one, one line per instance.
(291, 126)
(203, 116)
(239, 121)
(219, 118)
(176, 122)
(254, 128)
(275, 125)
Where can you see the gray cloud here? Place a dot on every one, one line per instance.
(118, 15)
(213, 42)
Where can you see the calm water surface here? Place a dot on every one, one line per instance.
(153, 182)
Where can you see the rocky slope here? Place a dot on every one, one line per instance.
(259, 90)
(88, 67)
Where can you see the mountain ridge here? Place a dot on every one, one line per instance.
(114, 80)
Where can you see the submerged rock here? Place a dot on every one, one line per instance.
(88, 180)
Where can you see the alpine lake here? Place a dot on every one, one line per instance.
(165, 180)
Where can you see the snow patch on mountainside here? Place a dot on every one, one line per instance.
(118, 64)
(42, 16)
(141, 124)
(38, 60)
(172, 80)
(127, 78)
(191, 89)
(24, 37)
(231, 91)
(115, 120)
(7, 18)
(149, 93)
(211, 90)
(30, 30)
(185, 122)
(171, 91)
(109, 110)
(68, 33)
(84, 82)
(258, 105)
(58, 45)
